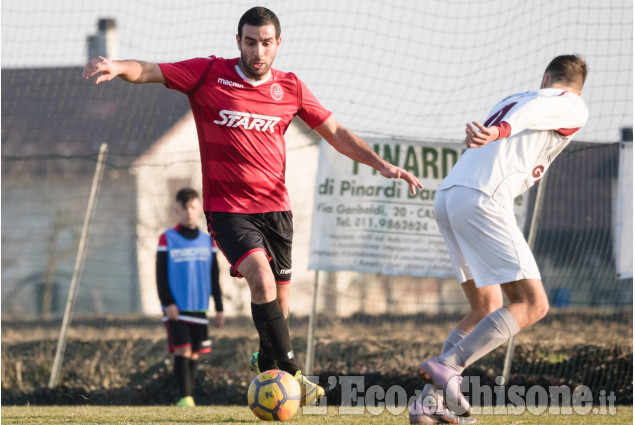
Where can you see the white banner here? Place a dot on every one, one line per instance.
(623, 236)
(366, 223)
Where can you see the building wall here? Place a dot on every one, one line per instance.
(42, 219)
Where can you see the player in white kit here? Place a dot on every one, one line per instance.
(506, 155)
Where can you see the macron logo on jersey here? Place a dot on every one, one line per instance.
(248, 121)
(190, 254)
(230, 83)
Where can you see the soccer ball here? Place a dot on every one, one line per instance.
(274, 395)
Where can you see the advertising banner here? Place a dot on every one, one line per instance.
(365, 222)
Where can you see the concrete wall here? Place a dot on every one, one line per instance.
(42, 220)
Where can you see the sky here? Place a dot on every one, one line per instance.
(415, 69)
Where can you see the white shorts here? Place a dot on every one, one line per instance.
(483, 238)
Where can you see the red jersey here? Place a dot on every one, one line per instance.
(241, 128)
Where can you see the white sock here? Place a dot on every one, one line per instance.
(491, 332)
(455, 336)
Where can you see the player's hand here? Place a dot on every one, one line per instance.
(219, 319)
(479, 136)
(108, 69)
(394, 172)
(172, 312)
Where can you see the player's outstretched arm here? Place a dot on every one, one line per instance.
(132, 71)
(347, 143)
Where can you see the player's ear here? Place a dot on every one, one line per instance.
(238, 41)
(545, 81)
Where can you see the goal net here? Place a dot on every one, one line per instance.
(409, 70)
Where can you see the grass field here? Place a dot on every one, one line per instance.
(33, 415)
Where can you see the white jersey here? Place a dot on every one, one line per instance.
(539, 124)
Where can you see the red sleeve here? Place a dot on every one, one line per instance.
(311, 110)
(163, 243)
(567, 131)
(504, 130)
(182, 76)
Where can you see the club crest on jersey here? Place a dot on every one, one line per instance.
(246, 120)
(276, 91)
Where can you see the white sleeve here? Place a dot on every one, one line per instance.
(567, 111)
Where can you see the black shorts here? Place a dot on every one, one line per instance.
(183, 333)
(238, 235)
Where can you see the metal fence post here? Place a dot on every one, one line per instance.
(79, 265)
(310, 343)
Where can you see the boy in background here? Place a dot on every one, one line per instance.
(187, 274)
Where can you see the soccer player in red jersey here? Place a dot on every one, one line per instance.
(242, 108)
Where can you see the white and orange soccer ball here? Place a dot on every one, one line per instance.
(274, 395)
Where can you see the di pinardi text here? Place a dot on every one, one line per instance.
(351, 188)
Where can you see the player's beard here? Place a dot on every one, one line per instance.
(251, 71)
